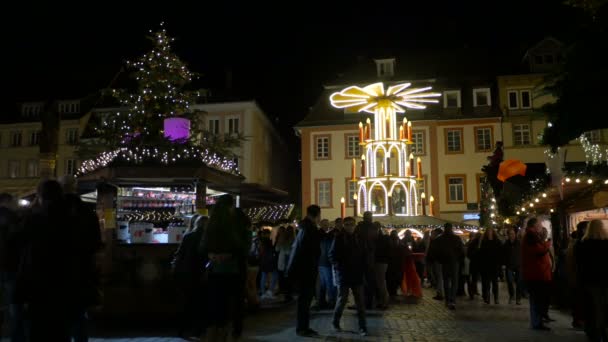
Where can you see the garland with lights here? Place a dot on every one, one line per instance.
(155, 155)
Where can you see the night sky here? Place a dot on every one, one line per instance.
(279, 55)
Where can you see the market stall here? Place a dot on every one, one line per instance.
(144, 211)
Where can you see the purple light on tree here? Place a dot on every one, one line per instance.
(177, 129)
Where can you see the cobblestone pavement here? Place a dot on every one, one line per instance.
(428, 320)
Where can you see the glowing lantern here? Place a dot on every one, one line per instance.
(510, 168)
(177, 129)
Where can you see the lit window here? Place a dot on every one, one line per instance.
(351, 190)
(417, 147)
(324, 193)
(481, 97)
(521, 134)
(483, 138)
(454, 140)
(455, 189)
(352, 146)
(322, 147)
(451, 99)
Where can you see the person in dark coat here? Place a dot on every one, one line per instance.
(188, 269)
(394, 271)
(88, 242)
(512, 260)
(226, 242)
(490, 251)
(348, 257)
(268, 267)
(303, 266)
(367, 233)
(448, 250)
(590, 254)
(327, 289)
(473, 256)
(381, 258)
(11, 245)
(46, 280)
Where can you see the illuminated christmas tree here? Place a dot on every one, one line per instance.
(387, 183)
(155, 122)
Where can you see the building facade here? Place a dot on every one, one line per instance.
(21, 136)
(453, 138)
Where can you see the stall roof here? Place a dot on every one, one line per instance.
(574, 197)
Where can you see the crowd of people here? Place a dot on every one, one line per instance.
(47, 264)
(225, 265)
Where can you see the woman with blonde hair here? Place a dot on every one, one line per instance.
(589, 253)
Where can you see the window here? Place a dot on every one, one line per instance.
(70, 166)
(214, 126)
(451, 99)
(421, 187)
(513, 99)
(481, 97)
(322, 147)
(417, 147)
(594, 136)
(30, 109)
(233, 126)
(34, 138)
(324, 199)
(71, 136)
(14, 168)
(519, 99)
(69, 107)
(453, 140)
(549, 59)
(483, 139)
(352, 146)
(481, 178)
(538, 59)
(521, 134)
(385, 67)
(456, 188)
(32, 168)
(525, 99)
(351, 190)
(15, 139)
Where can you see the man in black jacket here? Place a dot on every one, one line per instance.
(303, 266)
(448, 250)
(348, 257)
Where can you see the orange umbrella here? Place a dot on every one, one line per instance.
(510, 168)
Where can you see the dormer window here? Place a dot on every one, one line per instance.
(69, 107)
(481, 97)
(385, 67)
(451, 99)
